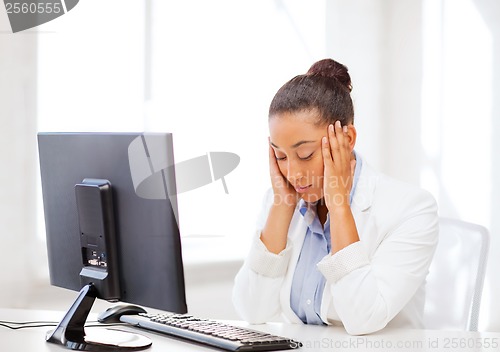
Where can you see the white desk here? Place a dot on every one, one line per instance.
(314, 338)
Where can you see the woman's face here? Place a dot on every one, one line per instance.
(296, 141)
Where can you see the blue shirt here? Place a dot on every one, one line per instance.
(308, 282)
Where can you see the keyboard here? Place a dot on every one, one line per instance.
(210, 332)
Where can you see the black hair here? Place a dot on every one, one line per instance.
(326, 88)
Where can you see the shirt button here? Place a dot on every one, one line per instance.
(308, 302)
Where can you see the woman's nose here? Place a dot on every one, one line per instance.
(294, 172)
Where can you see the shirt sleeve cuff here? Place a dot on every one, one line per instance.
(335, 267)
(266, 263)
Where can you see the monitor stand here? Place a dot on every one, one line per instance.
(71, 333)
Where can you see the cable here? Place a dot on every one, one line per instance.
(14, 325)
(26, 325)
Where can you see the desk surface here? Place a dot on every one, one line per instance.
(314, 338)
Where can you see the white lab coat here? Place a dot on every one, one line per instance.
(376, 282)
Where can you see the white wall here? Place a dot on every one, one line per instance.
(18, 162)
(380, 42)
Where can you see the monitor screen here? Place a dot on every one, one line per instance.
(134, 173)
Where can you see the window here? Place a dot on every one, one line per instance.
(204, 70)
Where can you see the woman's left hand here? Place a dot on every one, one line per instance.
(339, 168)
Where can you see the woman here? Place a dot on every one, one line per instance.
(337, 242)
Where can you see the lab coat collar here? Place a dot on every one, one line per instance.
(365, 188)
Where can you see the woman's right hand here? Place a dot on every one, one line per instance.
(274, 234)
(284, 192)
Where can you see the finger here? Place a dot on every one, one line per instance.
(334, 146)
(273, 164)
(325, 150)
(342, 138)
(272, 156)
(347, 141)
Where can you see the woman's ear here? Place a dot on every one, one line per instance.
(352, 134)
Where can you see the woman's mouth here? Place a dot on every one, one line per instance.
(300, 189)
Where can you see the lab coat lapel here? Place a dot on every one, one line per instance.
(363, 197)
(360, 207)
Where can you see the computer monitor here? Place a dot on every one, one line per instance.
(111, 224)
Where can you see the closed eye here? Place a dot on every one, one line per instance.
(280, 159)
(307, 157)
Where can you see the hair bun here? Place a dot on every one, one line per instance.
(331, 69)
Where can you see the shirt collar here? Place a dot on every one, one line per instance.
(308, 211)
(310, 214)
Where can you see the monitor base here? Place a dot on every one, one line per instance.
(71, 332)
